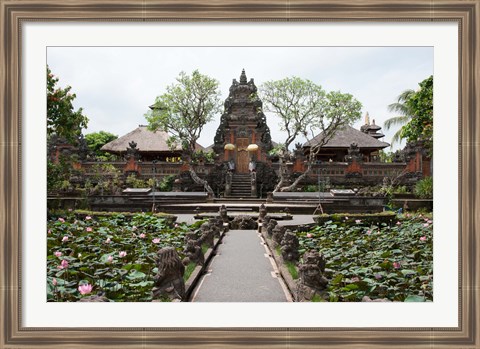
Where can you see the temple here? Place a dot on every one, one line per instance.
(241, 165)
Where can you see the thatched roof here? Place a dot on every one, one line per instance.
(147, 141)
(346, 136)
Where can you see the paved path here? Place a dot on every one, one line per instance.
(241, 272)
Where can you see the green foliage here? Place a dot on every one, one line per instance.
(189, 270)
(310, 188)
(386, 156)
(91, 246)
(57, 173)
(96, 140)
(351, 218)
(403, 117)
(205, 156)
(420, 105)
(133, 182)
(166, 184)
(62, 119)
(379, 261)
(424, 188)
(292, 269)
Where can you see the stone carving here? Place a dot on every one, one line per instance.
(311, 280)
(132, 151)
(272, 223)
(353, 153)
(223, 214)
(262, 213)
(193, 253)
(277, 234)
(207, 235)
(243, 222)
(168, 283)
(290, 246)
(216, 225)
(100, 297)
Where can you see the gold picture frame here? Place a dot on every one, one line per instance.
(466, 13)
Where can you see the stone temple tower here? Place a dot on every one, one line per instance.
(243, 135)
(242, 142)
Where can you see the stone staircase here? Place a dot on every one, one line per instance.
(241, 186)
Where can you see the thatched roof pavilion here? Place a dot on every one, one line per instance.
(150, 144)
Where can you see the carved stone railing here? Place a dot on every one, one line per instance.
(253, 183)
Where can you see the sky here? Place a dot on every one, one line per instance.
(115, 85)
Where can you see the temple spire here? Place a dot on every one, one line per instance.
(367, 119)
(243, 77)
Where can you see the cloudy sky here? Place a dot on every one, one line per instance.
(115, 85)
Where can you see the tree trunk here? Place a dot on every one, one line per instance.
(203, 182)
(299, 179)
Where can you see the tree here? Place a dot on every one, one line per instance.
(96, 140)
(403, 118)
(420, 127)
(416, 115)
(305, 109)
(183, 111)
(62, 119)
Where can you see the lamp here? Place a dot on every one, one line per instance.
(229, 146)
(252, 147)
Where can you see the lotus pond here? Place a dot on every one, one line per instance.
(113, 254)
(392, 261)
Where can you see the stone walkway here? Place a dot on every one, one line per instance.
(241, 271)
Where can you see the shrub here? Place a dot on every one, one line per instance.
(424, 188)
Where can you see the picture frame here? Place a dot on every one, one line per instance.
(15, 13)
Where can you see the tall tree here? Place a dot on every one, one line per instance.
(305, 109)
(183, 111)
(403, 117)
(62, 119)
(420, 104)
(96, 140)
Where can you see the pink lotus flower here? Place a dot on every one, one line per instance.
(176, 225)
(346, 218)
(108, 241)
(61, 220)
(89, 229)
(396, 265)
(58, 254)
(355, 279)
(109, 259)
(423, 238)
(309, 235)
(142, 236)
(122, 254)
(358, 221)
(430, 221)
(398, 223)
(85, 288)
(378, 276)
(65, 238)
(49, 231)
(54, 282)
(369, 232)
(63, 264)
(88, 218)
(426, 219)
(156, 240)
(426, 225)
